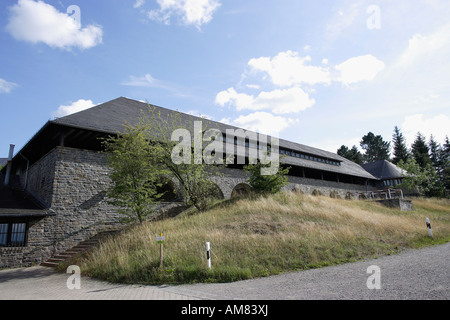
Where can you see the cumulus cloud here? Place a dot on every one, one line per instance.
(358, 69)
(422, 47)
(291, 80)
(263, 122)
(288, 69)
(191, 12)
(6, 87)
(76, 106)
(38, 22)
(292, 100)
(438, 126)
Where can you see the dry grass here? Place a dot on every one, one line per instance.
(261, 236)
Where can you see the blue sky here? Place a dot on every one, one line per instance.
(322, 73)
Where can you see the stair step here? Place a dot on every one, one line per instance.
(63, 256)
(79, 248)
(56, 260)
(49, 264)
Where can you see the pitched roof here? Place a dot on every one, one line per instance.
(383, 169)
(111, 116)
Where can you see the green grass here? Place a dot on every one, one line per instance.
(262, 236)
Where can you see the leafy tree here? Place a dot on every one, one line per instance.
(193, 178)
(134, 173)
(141, 163)
(266, 183)
(400, 148)
(425, 180)
(375, 147)
(352, 154)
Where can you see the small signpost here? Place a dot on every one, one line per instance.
(160, 240)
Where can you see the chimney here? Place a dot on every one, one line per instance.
(8, 166)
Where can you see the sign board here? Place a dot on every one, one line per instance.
(160, 239)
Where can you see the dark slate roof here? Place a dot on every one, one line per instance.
(15, 203)
(383, 169)
(111, 116)
(3, 162)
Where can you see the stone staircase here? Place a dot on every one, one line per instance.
(78, 249)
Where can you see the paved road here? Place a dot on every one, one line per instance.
(414, 274)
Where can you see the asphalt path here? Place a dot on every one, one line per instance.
(421, 274)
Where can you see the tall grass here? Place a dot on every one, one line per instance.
(261, 236)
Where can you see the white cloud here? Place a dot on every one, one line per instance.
(144, 81)
(138, 4)
(292, 100)
(39, 22)
(76, 106)
(438, 126)
(289, 69)
(360, 68)
(425, 47)
(6, 87)
(263, 122)
(192, 12)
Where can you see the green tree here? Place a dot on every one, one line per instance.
(266, 183)
(399, 147)
(445, 165)
(352, 154)
(375, 147)
(193, 178)
(134, 173)
(141, 163)
(424, 180)
(420, 151)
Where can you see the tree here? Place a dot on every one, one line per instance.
(375, 147)
(134, 173)
(266, 183)
(193, 178)
(435, 153)
(445, 163)
(400, 149)
(352, 154)
(420, 151)
(425, 180)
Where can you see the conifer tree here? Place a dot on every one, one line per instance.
(399, 146)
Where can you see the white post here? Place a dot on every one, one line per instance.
(429, 227)
(208, 254)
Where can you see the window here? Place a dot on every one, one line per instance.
(12, 234)
(3, 234)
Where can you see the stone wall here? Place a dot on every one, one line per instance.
(72, 183)
(79, 197)
(327, 188)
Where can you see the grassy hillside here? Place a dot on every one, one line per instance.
(261, 236)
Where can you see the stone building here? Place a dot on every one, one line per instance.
(56, 195)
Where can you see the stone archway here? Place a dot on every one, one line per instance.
(169, 192)
(216, 192)
(241, 189)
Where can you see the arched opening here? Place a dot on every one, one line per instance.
(168, 192)
(242, 189)
(216, 192)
